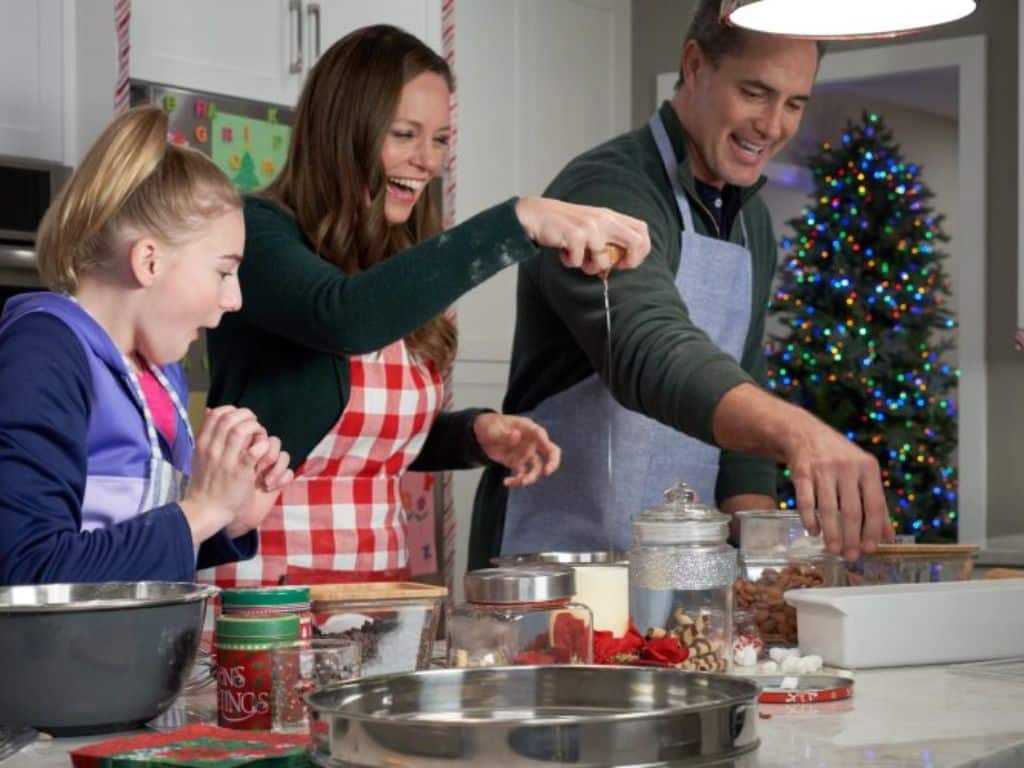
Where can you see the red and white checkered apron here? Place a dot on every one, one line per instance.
(343, 511)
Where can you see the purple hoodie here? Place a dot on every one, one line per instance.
(104, 536)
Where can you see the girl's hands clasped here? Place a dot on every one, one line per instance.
(272, 474)
(236, 466)
(583, 233)
(518, 443)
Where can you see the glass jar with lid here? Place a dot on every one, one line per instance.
(522, 615)
(681, 574)
(777, 554)
(602, 582)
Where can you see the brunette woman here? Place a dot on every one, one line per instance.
(342, 341)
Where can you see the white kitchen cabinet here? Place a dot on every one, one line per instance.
(58, 69)
(245, 48)
(31, 79)
(339, 17)
(539, 82)
(256, 49)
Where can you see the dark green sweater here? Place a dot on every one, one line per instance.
(661, 364)
(285, 354)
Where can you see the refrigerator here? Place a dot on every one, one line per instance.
(248, 140)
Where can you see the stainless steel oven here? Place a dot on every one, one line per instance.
(26, 189)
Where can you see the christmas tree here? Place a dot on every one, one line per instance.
(246, 179)
(867, 337)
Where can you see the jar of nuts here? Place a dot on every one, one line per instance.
(763, 584)
(681, 572)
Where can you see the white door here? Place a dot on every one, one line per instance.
(31, 79)
(539, 81)
(245, 48)
(339, 17)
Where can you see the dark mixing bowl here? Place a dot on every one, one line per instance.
(89, 658)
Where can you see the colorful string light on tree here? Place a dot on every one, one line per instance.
(862, 295)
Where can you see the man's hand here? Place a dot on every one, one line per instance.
(840, 481)
(832, 476)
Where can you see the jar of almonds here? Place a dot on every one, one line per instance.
(763, 585)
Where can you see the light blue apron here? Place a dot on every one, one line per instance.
(576, 509)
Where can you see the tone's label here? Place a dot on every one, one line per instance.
(244, 684)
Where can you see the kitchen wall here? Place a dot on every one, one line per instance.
(90, 69)
(658, 29)
(539, 81)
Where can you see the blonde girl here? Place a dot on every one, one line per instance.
(140, 251)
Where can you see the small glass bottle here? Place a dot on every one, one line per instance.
(521, 615)
(245, 679)
(681, 574)
(260, 602)
(747, 645)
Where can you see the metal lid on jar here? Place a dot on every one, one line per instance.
(250, 597)
(605, 557)
(675, 523)
(523, 584)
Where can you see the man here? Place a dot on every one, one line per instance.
(681, 370)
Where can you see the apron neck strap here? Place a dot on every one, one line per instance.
(671, 164)
(147, 416)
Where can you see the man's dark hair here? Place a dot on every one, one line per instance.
(717, 40)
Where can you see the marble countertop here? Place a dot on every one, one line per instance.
(909, 717)
(919, 717)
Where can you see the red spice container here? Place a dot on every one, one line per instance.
(245, 680)
(520, 616)
(265, 602)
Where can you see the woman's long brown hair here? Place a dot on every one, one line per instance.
(334, 162)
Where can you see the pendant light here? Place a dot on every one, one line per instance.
(843, 19)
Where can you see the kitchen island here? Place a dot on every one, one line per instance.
(923, 717)
(910, 717)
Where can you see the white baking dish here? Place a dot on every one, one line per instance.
(894, 625)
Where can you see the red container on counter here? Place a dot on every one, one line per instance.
(245, 678)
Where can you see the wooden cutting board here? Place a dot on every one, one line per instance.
(925, 550)
(383, 590)
(1003, 573)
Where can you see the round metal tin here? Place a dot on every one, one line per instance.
(533, 584)
(553, 716)
(608, 557)
(805, 689)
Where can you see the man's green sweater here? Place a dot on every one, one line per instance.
(285, 354)
(660, 363)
